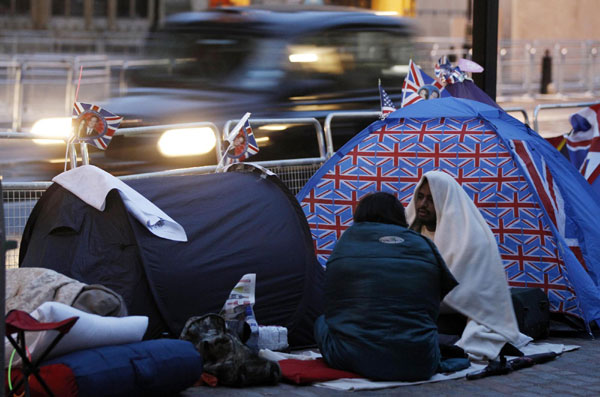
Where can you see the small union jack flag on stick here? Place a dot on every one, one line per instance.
(242, 143)
(418, 86)
(93, 125)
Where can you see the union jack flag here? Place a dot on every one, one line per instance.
(583, 144)
(94, 125)
(415, 81)
(543, 181)
(242, 145)
(387, 106)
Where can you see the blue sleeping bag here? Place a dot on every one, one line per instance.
(160, 367)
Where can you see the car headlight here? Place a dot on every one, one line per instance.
(187, 141)
(54, 127)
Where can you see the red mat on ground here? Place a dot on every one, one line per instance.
(310, 371)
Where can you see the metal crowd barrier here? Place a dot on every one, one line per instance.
(19, 198)
(519, 110)
(347, 116)
(368, 114)
(566, 105)
(133, 131)
(295, 121)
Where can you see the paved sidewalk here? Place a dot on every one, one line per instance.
(551, 122)
(572, 374)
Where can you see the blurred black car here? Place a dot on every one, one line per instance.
(276, 62)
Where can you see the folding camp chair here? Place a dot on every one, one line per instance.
(18, 322)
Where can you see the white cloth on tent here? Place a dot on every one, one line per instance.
(469, 248)
(92, 185)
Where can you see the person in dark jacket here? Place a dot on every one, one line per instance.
(384, 284)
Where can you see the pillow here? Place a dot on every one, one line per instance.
(89, 331)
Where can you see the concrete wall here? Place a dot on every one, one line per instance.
(442, 18)
(550, 19)
(518, 19)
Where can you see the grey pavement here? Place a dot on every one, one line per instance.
(571, 374)
(551, 122)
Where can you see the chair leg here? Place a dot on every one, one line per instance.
(19, 346)
(30, 368)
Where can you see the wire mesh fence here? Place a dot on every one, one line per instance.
(18, 204)
(296, 176)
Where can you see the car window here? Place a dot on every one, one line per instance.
(195, 58)
(352, 59)
(326, 61)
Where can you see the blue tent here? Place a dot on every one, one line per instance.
(543, 213)
(236, 223)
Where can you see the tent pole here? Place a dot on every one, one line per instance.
(485, 44)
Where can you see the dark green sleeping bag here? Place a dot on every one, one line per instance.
(384, 284)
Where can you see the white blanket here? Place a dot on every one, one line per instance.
(469, 248)
(92, 185)
(349, 384)
(366, 384)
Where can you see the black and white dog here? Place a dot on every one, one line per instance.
(225, 355)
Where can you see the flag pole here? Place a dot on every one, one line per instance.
(78, 82)
(381, 117)
(85, 158)
(71, 140)
(564, 141)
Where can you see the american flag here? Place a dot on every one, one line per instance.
(106, 124)
(414, 80)
(242, 145)
(387, 106)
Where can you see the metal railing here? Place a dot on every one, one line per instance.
(575, 63)
(575, 70)
(566, 105)
(133, 131)
(73, 38)
(347, 116)
(519, 110)
(321, 141)
(30, 85)
(19, 198)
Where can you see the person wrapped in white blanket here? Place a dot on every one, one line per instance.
(442, 211)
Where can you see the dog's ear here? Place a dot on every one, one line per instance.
(198, 327)
(215, 322)
(187, 333)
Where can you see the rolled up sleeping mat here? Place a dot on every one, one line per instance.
(161, 367)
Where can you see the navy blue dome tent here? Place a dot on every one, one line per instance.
(543, 213)
(236, 223)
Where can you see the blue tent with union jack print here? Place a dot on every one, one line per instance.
(543, 214)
